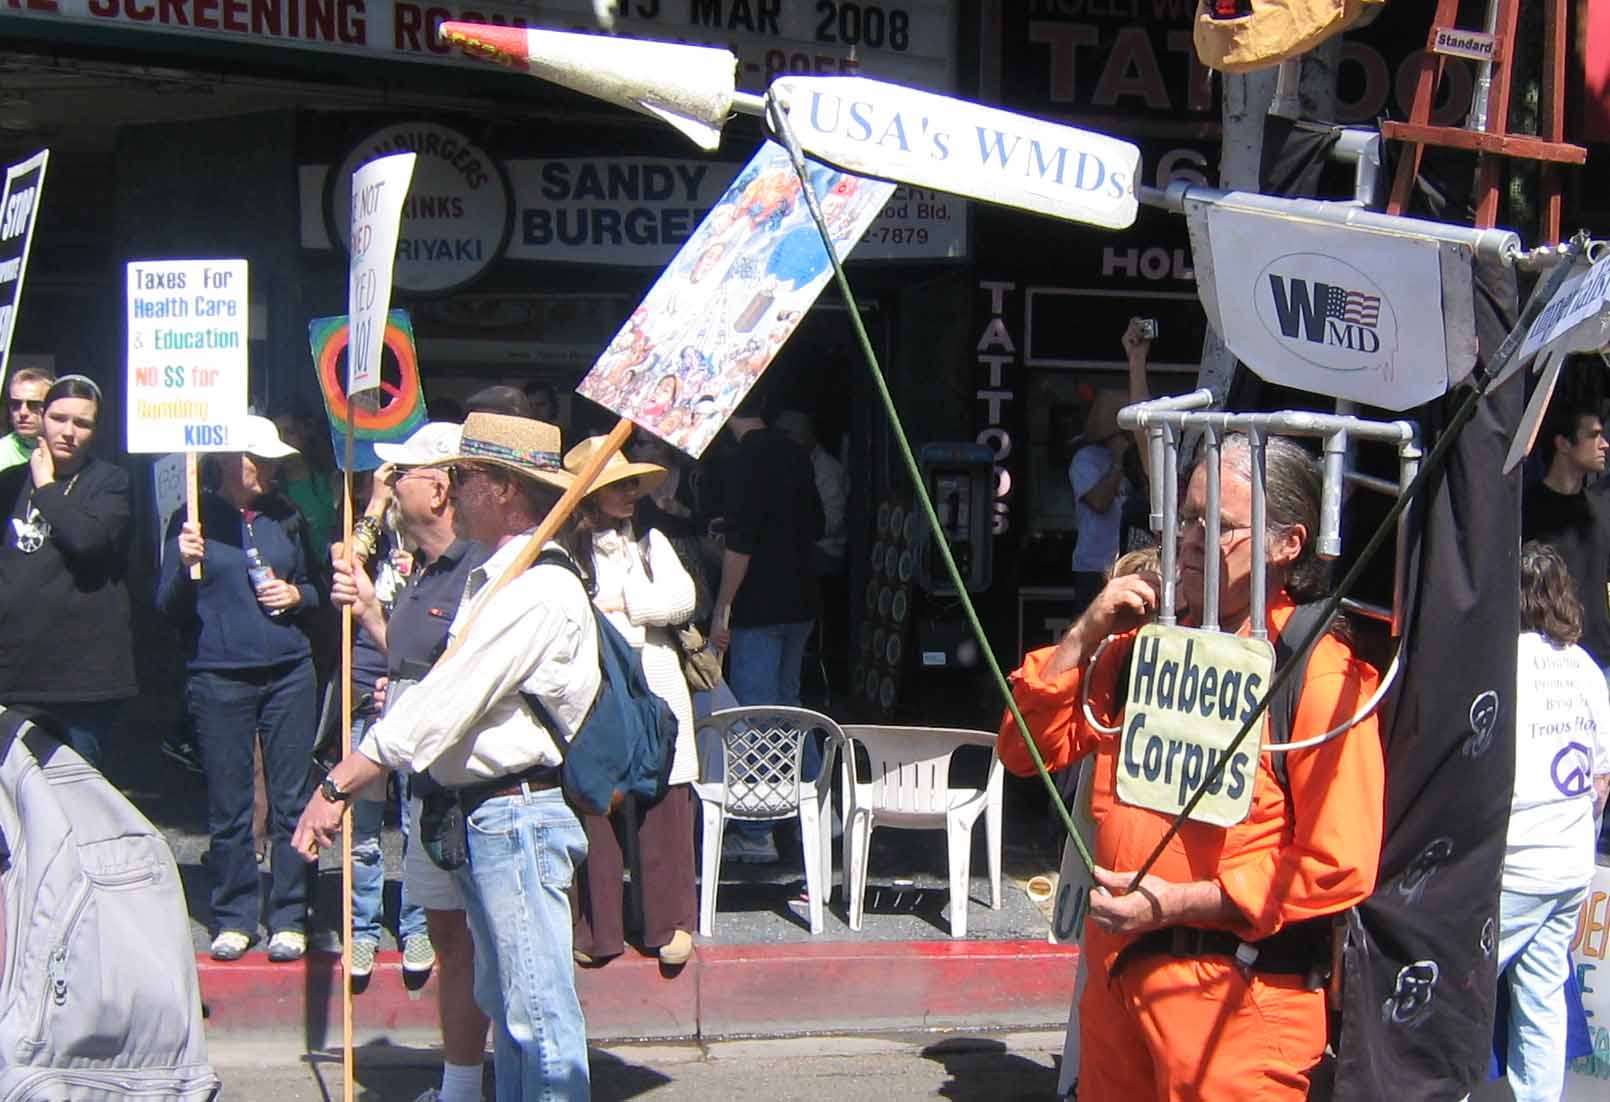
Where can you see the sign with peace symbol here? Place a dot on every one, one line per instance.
(401, 408)
(1571, 770)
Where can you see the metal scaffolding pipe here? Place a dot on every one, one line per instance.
(1503, 246)
(1260, 537)
(1287, 423)
(1171, 520)
(1211, 534)
(1330, 501)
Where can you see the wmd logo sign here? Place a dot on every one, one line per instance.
(1326, 312)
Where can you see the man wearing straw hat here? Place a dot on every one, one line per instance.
(467, 725)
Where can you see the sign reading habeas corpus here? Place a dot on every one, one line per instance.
(187, 354)
(873, 128)
(1189, 692)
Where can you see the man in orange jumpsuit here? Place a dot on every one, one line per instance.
(1170, 1011)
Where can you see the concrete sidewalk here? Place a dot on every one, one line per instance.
(763, 973)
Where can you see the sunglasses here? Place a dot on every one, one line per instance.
(460, 473)
(32, 405)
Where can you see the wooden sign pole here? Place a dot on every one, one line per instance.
(192, 500)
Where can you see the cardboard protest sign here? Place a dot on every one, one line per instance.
(378, 191)
(730, 299)
(19, 208)
(187, 356)
(1189, 692)
(401, 408)
(899, 133)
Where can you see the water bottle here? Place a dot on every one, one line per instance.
(259, 572)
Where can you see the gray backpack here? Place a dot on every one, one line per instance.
(98, 992)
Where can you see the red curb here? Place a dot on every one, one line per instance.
(725, 990)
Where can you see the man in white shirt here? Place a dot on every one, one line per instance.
(832, 487)
(467, 725)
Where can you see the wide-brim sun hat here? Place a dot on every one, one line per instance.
(519, 445)
(260, 439)
(430, 442)
(617, 469)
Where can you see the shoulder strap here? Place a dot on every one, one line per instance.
(1283, 706)
(562, 735)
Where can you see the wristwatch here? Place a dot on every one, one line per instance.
(329, 791)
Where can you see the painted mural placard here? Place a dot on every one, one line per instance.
(1337, 310)
(397, 410)
(187, 325)
(930, 141)
(733, 295)
(19, 209)
(379, 189)
(1588, 1079)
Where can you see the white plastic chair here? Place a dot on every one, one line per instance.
(908, 786)
(761, 754)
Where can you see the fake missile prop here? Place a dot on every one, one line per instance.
(688, 87)
(873, 128)
(1577, 319)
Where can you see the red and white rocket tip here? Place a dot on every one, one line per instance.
(689, 87)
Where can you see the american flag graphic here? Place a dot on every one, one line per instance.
(1352, 307)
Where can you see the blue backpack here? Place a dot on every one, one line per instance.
(624, 745)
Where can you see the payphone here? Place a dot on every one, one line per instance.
(960, 480)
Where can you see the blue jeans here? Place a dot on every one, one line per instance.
(524, 851)
(89, 723)
(232, 709)
(1534, 939)
(369, 866)
(763, 667)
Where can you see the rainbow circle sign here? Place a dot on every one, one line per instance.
(401, 407)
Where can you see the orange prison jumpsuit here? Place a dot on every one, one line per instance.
(1176, 1029)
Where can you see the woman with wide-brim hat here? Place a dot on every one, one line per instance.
(641, 585)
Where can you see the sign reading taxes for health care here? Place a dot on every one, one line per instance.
(1189, 693)
(187, 354)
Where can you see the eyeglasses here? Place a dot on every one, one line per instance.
(1193, 523)
(460, 473)
(32, 405)
(397, 476)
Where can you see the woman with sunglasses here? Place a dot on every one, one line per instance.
(66, 647)
(640, 584)
(249, 680)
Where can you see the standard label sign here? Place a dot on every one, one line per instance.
(378, 191)
(876, 129)
(187, 354)
(1189, 693)
(19, 207)
(1475, 45)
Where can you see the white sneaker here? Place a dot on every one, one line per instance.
(419, 955)
(431, 1095)
(749, 850)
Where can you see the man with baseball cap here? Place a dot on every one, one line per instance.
(467, 726)
(411, 636)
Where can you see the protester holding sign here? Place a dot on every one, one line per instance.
(64, 575)
(1208, 980)
(1562, 772)
(250, 679)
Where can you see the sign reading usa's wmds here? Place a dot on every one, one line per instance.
(187, 354)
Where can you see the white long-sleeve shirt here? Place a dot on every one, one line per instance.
(655, 594)
(465, 722)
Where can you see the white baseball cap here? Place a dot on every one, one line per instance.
(261, 439)
(432, 442)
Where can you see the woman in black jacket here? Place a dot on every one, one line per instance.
(65, 645)
(250, 678)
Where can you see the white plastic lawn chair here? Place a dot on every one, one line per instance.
(908, 786)
(753, 773)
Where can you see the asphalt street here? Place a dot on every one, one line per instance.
(997, 1067)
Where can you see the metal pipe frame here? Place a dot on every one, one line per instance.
(1490, 244)
(1165, 422)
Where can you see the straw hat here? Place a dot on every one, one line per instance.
(617, 469)
(519, 445)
